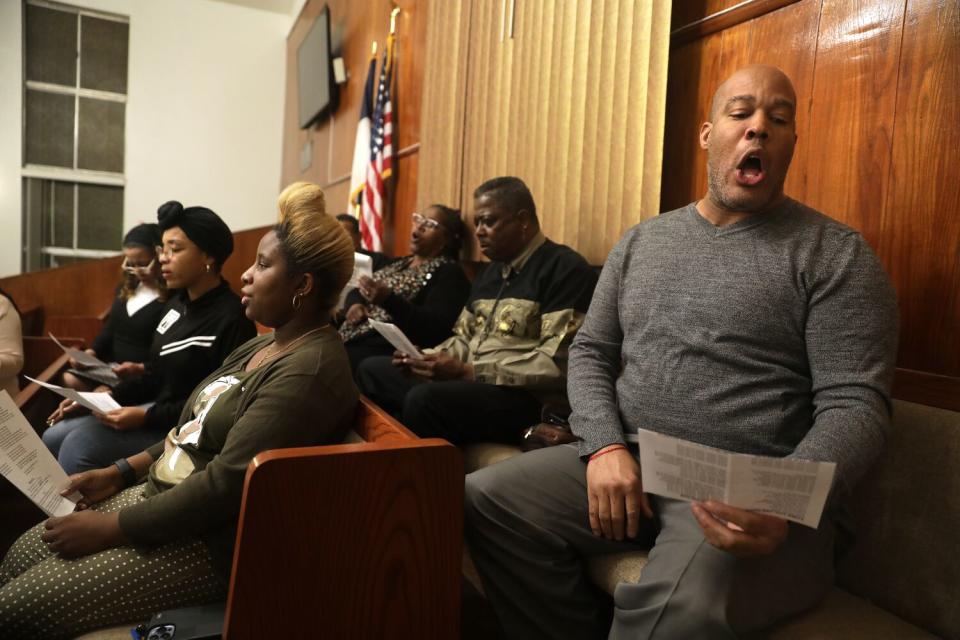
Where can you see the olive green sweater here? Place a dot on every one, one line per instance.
(301, 398)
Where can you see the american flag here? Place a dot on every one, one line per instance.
(361, 146)
(381, 160)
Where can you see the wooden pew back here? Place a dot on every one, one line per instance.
(351, 541)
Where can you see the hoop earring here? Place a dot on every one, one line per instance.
(297, 301)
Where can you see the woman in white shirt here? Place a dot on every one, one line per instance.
(126, 337)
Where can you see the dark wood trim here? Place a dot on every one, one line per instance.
(747, 10)
(927, 388)
(409, 150)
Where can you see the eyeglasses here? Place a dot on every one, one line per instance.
(137, 268)
(165, 252)
(424, 222)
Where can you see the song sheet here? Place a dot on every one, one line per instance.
(793, 489)
(93, 400)
(362, 266)
(27, 463)
(82, 357)
(397, 338)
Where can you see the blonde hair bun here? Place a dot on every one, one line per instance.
(313, 241)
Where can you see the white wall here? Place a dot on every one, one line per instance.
(11, 139)
(204, 112)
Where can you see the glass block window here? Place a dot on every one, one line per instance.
(74, 101)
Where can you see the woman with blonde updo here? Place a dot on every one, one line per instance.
(156, 531)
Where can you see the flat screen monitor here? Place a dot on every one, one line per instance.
(317, 90)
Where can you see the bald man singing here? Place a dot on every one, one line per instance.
(745, 321)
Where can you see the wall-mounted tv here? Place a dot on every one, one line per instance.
(317, 90)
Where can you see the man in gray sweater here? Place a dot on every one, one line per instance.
(745, 321)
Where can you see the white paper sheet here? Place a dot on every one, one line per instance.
(82, 357)
(397, 338)
(793, 489)
(27, 463)
(362, 266)
(93, 400)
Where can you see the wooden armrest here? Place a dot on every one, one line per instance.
(45, 361)
(53, 370)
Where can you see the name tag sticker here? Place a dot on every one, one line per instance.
(172, 316)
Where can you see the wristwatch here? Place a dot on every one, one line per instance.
(126, 471)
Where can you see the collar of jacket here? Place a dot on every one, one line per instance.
(515, 265)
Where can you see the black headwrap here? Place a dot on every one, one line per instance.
(143, 235)
(204, 228)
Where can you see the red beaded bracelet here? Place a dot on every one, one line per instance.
(606, 451)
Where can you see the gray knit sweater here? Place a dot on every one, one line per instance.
(775, 335)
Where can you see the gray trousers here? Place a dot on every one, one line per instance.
(528, 532)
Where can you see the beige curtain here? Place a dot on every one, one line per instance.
(568, 95)
(444, 100)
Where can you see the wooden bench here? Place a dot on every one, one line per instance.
(356, 540)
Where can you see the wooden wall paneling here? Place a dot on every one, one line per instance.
(353, 30)
(244, 254)
(293, 136)
(785, 38)
(691, 79)
(782, 38)
(848, 159)
(687, 12)
(444, 104)
(879, 86)
(724, 18)
(405, 203)
(408, 75)
(920, 235)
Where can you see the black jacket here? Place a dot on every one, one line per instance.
(126, 338)
(191, 340)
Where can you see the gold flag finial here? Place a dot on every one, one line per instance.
(393, 19)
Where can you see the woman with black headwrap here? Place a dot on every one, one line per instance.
(136, 311)
(202, 322)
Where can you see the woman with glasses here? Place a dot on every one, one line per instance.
(201, 323)
(422, 293)
(155, 531)
(136, 311)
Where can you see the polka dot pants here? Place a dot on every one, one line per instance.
(45, 596)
